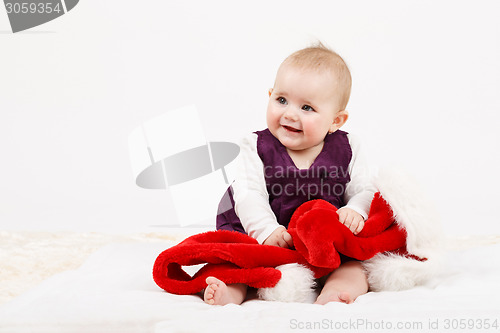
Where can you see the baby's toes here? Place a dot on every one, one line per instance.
(208, 297)
(213, 282)
(345, 297)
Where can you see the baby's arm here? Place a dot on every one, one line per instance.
(250, 193)
(359, 191)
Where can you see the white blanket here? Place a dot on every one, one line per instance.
(113, 291)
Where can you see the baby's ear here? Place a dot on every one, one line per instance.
(339, 120)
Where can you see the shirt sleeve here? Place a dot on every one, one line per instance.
(360, 190)
(250, 192)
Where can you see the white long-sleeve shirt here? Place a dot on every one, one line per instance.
(252, 199)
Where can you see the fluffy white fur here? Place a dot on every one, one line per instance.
(296, 285)
(393, 272)
(414, 212)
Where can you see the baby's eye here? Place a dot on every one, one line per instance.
(307, 108)
(281, 100)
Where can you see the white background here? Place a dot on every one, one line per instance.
(426, 97)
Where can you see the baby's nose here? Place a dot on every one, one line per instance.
(291, 113)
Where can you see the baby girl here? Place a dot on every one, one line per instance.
(301, 156)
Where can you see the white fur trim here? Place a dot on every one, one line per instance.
(414, 212)
(296, 285)
(392, 272)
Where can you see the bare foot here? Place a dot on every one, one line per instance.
(344, 284)
(218, 293)
(334, 296)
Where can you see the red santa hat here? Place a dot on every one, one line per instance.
(398, 246)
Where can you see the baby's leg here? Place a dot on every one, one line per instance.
(344, 284)
(218, 293)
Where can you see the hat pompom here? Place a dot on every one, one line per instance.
(297, 284)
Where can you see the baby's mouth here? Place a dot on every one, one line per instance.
(291, 129)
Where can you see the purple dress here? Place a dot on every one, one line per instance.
(289, 187)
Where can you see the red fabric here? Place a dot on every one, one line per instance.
(318, 238)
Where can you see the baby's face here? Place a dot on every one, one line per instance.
(302, 107)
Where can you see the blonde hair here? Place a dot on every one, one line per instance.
(320, 58)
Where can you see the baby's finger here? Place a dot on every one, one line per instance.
(288, 239)
(353, 226)
(360, 227)
(341, 216)
(349, 220)
(353, 222)
(282, 243)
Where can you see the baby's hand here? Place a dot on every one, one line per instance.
(280, 237)
(351, 219)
